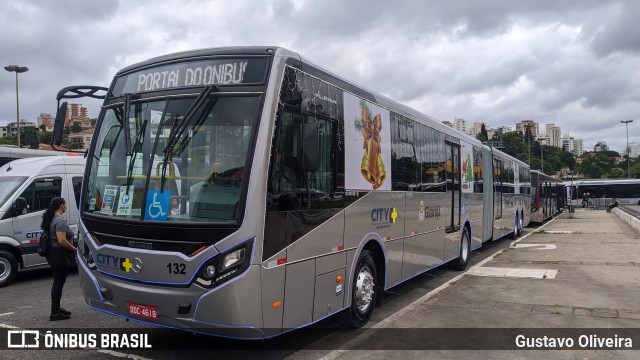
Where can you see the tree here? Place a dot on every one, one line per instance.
(483, 136)
(45, 137)
(65, 135)
(617, 172)
(76, 128)
(610, 153)
(567, 159)
(93, 121)
(29, 136)
(596, 166)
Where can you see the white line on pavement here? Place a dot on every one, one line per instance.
(122, 355)
(5, 326)
(514, 272)
(534, 246)
(9, 313)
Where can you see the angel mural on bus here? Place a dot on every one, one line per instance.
(368, 145)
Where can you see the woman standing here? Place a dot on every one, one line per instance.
(60, 244)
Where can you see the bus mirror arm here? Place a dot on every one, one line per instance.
(71, 92)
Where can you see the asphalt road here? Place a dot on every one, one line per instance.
(25, 305)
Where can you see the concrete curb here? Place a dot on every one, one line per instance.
(633, 221)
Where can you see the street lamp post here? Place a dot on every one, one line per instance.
(626, 122)
(17, 69)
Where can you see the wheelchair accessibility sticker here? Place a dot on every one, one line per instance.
(157, 206)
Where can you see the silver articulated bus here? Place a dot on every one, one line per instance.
(246, 192)
(602, 192)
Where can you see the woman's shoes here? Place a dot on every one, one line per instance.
(65, 311)
(60, 315)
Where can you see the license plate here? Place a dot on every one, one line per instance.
(144, 311)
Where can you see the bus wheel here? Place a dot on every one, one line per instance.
(363, 292)
(8, 267)
(516, 228)
(519, 226)
(465, 251)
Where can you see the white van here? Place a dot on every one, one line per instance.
(26, 189)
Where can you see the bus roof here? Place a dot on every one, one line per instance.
(380, 99)
(589, 182)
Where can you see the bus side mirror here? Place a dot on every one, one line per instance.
(58, 125)
(310, 144)
(20, 206)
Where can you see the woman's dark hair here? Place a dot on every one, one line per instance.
(54, 205)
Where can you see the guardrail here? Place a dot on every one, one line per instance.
(629, 216)
(597, 203)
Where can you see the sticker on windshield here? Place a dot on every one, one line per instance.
(110, 192)
(124, 203)
(157, 205)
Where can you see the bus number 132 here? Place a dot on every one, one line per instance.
(177, 268)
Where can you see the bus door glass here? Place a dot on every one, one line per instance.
(453, 186)
(497, 188)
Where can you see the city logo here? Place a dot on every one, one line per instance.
(383, 217)
(119, 263)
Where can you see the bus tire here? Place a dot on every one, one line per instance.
(8, 268)
(516, 228)
(519, 226)
(364, 292)
(465, 251)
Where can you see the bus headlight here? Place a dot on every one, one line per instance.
(225, 266)
(232, 259)
(209, 271)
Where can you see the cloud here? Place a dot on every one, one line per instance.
(572, 64)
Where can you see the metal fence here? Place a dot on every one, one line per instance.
(598, 203)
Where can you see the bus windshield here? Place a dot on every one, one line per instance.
(173, 167)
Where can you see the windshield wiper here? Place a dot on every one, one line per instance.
(177, 131)
(178, 128)
(134, 153)
(125, 123)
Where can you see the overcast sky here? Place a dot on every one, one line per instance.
(572, 63)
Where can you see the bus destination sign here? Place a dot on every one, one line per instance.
(195, 73)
